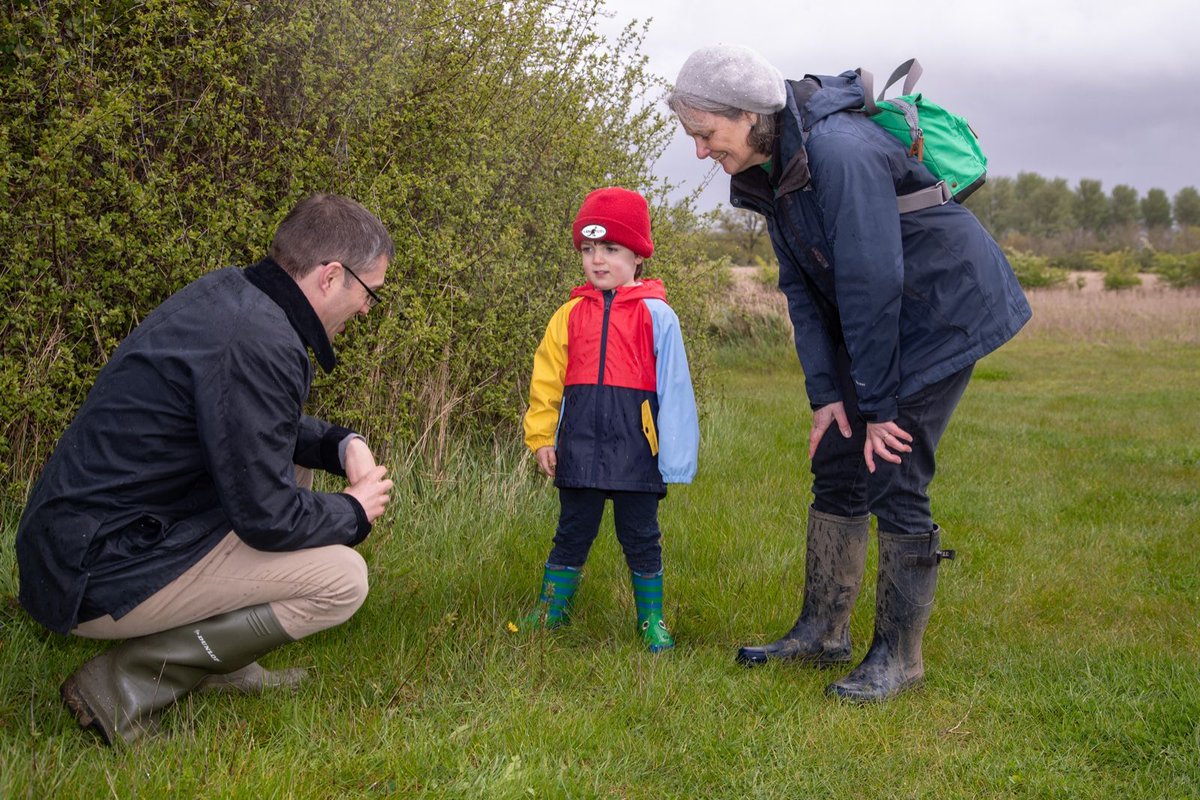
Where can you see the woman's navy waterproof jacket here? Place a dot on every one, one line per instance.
(913, 297)
(612, 392)
(192, 429)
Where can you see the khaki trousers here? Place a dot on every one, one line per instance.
(309, 591)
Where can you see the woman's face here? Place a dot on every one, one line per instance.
(724, 140)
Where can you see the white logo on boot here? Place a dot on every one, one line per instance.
(204, 644)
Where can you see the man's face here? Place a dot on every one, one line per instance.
(349, 297)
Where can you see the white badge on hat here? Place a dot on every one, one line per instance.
(594, 231)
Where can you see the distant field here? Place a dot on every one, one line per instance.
(1136, 315)
(1085, 312)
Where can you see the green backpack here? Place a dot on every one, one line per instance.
(942, 141)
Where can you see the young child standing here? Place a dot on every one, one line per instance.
(611, 412)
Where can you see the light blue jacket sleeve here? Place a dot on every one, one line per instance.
(678, 425)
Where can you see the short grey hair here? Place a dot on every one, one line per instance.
(763, 133)
(327, 227)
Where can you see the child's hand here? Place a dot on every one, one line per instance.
(547, 459)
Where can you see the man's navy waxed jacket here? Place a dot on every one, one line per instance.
(191, 430)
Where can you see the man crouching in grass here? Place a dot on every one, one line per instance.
(177, 513)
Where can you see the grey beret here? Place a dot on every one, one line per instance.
(735, 76)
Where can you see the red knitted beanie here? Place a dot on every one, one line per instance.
(615, 215)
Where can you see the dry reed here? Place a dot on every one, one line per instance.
(1128, 315)
(1085, 312)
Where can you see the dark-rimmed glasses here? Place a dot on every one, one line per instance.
(372, 298)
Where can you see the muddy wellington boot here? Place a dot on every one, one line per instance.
(908, 567)
(253, 679)
(836, 554)
(554, 604)
(648, 599)
(120, 692)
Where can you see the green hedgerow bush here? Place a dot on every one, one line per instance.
(144, 144)
(1120, 269)
(1179, 271)
(767, 276)
(1035, 272)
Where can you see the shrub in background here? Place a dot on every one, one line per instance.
(144, 144)
(1120, 269)
(1034, 272)
(1179, 271)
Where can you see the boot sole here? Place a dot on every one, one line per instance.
(747, 658)
(74, 695)
(82, 696)
(865, 697)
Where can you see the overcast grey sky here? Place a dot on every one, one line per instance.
(1064, 88)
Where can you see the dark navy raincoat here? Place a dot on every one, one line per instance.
(913, 297)
(191, 430)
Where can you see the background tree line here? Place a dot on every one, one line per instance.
(1053, 216)
(145, 143)
(1047, 228)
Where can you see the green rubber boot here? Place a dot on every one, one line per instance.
(554, 605)
(648, 597)
(120, 692)
(253, 679)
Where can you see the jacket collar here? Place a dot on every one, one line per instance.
(789, 162)
(276, 284)
(648, 288)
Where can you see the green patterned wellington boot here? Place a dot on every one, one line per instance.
(648, 597)
(554, 605)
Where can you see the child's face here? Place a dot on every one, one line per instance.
(608, 265)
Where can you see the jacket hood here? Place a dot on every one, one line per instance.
(838, 93)
(648, 289)
(827, 95)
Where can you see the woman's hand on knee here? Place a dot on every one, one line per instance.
(885, 439)
(823, 417)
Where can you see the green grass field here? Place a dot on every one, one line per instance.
(1063, 658)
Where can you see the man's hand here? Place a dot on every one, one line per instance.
(371, 491)
(882, 439)
(547, 459)
(359, 460)
(823, 417)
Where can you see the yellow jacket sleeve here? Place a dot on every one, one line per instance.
(546, 385)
